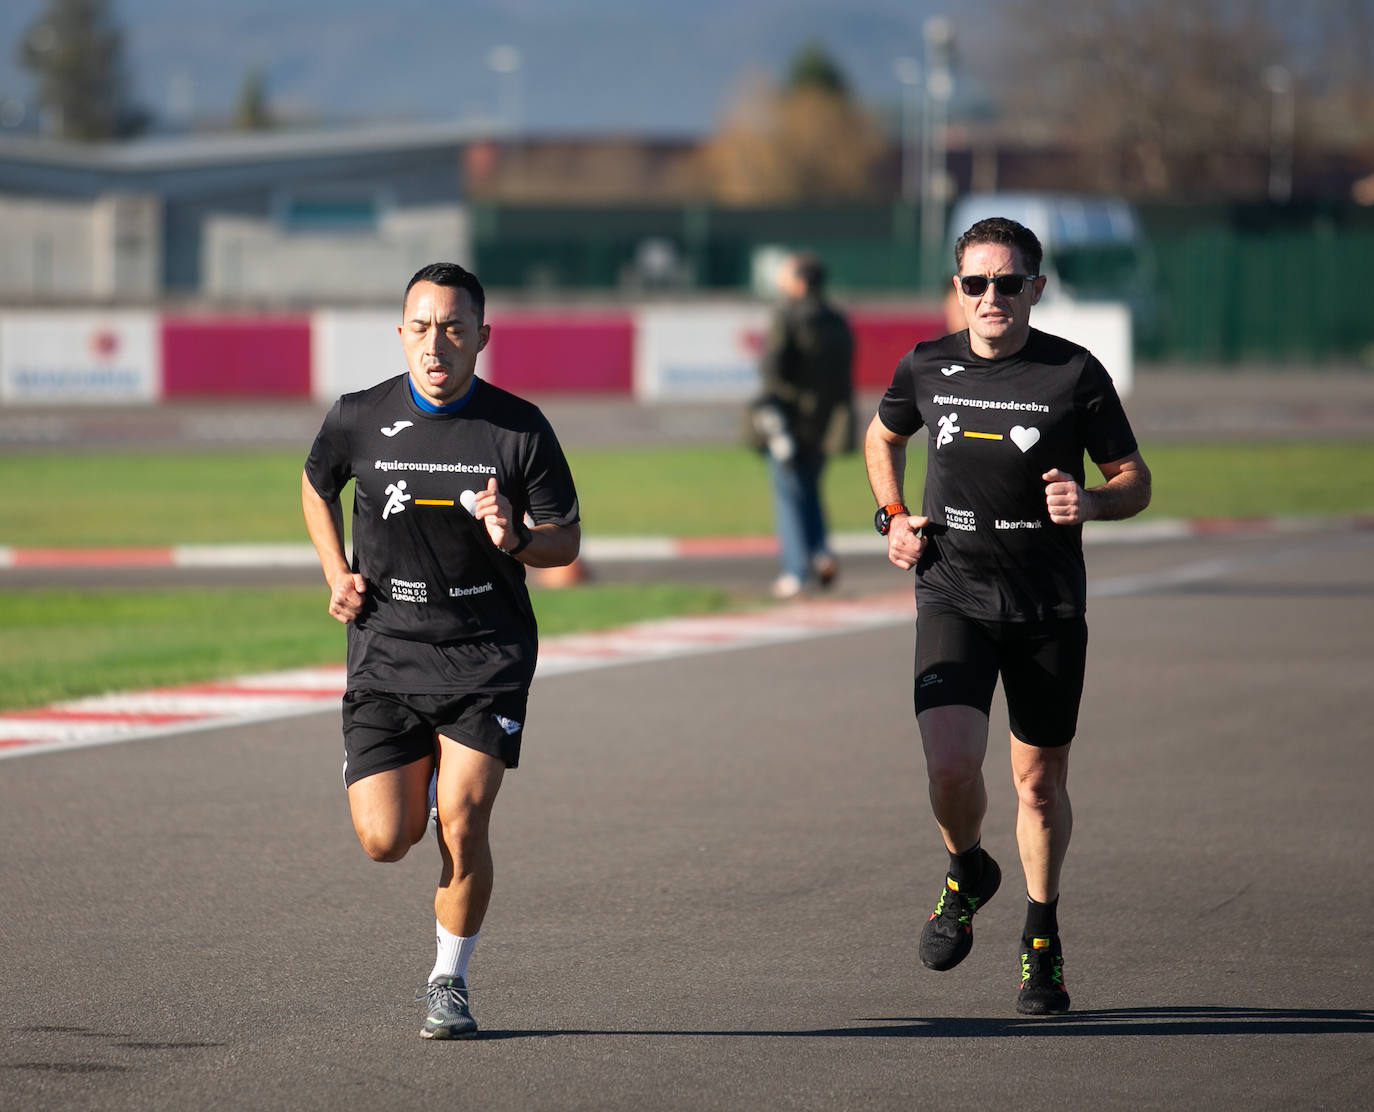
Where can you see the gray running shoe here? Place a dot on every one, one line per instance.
(449, 1016)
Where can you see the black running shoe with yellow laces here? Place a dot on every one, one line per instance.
(947, 936)
(1042, 978)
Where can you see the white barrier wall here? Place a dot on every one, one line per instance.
(86, 357)
(352, 350)
(1103, 328)
(660, 352)
(698, 352)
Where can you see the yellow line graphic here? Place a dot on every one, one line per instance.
(434, 501)
(986, 435)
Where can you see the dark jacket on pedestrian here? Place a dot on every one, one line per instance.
(806, 370)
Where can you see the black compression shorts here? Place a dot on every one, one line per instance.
(958, 660)
(386, 729)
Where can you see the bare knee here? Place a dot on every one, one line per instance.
(387, 844)
(464, 835)
(954, 770)
(1041, 790)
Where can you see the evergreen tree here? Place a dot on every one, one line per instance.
(813, 68)
(251, 110)
(76, 52)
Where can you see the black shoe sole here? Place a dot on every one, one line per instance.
(1041, 1007)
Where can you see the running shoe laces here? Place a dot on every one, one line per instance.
(449, 1014)
(1042, 978)
(947, 937)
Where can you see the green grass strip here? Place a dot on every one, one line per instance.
(205, 498)
(63, 644)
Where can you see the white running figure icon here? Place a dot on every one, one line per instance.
(396, 499)
(947, 429)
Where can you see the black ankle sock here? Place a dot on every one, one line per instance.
(967, 867)
(1042, 920)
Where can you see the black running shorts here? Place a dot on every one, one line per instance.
(958, 661)
(386, 729)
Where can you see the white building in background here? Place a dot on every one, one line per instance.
(294, 217)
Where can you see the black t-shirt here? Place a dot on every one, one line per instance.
(445, 609)
(996, 426)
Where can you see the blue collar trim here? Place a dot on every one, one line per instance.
(449, 407)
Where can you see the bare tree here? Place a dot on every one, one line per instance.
(809, 141)
(1161, 98)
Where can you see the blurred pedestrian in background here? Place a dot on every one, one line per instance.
(804, 414)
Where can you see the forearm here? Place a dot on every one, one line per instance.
(324, 525)
(551, 546)
(885, 461)
(1123, 495)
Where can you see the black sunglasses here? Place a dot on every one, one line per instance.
(1008, 285)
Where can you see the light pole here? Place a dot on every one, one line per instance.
(505, 62)
(908, 72)
(1279, 82)
(939, 40)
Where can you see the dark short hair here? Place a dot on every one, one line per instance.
(1007, 233)
(810, 268)
(450, 274)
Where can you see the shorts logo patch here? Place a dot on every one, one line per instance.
(931, 679)
(510, 725)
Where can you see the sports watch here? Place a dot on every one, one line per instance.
(882, 520)
(522, 531)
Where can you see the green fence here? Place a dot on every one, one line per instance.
(1216, 285)
(1260, 286)
(868, 248)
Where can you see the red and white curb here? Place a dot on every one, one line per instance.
(134, 716)
(110, 719)
(610, 550)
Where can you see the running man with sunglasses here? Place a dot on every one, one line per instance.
(1001, 586)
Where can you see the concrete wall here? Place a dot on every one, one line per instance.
(109, 250)
(253, 258)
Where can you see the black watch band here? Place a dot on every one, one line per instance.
(521, 531)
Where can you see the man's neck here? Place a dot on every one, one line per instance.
(1002, 349)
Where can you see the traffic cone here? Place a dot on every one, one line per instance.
(567, 576)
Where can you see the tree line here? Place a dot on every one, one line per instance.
(1170, 99)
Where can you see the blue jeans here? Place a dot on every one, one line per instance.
(798, 516)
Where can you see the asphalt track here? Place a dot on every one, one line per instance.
(711, 876)
(712, 870)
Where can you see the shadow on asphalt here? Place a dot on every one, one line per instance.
(1115, 1021)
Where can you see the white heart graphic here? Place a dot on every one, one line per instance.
(468, 499)
(1024, 438)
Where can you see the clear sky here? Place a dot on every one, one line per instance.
(583, 65)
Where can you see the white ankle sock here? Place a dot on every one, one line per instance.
(453, 953)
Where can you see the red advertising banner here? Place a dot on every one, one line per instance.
(561, 353)
(882, 337)
(222, 357)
